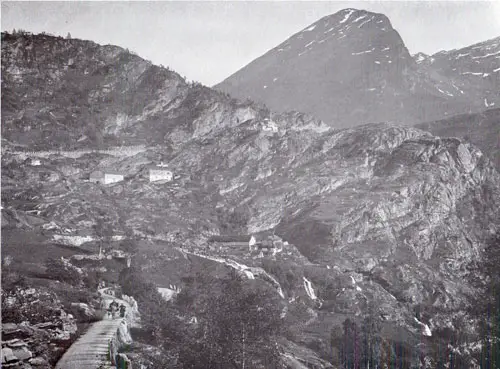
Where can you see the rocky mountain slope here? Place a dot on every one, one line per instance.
(481, 129)
(383, 223)
(474, 71)
(62, 93)
(352, 68)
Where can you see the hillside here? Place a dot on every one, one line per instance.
(474, 71)
(383, 225)
(60, 93)
(481, 129)
(352, 68)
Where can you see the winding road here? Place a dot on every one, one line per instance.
(91, 350)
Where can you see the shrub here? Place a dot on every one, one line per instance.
(57, 270)
(129, 245)
(92, 279)
(233, 222)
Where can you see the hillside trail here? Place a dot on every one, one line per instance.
(91, 350)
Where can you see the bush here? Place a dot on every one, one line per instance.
(233, 222)
(11, 281)
(57, 270)
(92, 279)
(129, 245)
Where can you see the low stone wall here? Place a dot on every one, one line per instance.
(98, 347)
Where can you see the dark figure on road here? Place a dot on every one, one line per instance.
(122, 310)
(113, 307)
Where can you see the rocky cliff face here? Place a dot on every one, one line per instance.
(481, 129)
(352, 67)
(381, 221)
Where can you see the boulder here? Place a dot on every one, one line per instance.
(133, 316)
(8, 356)
(68, 323)
(13, 331)
(82, 311)
(38, 361)
(46, 325)
(8, 327)
(61, 336)
(22, 353)
(124, 337)
(16, 343)
(122, 361)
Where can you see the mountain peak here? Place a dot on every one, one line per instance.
(311, 62)
(360, 17)
(349, 28)
(352, 67)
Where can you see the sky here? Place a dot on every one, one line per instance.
(208, 41)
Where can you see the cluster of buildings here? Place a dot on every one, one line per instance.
(256, 245)
(155, 173)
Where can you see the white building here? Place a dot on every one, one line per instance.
(105, 177)
(112, 178)
(158, 173)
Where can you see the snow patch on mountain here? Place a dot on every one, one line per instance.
(364, 52)
(347, 15)
(486, 104)
(472, 73)
(444, 92)
(485, 56)
(359, 18)
(456, 88)
(366, 21)
(420, 58)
